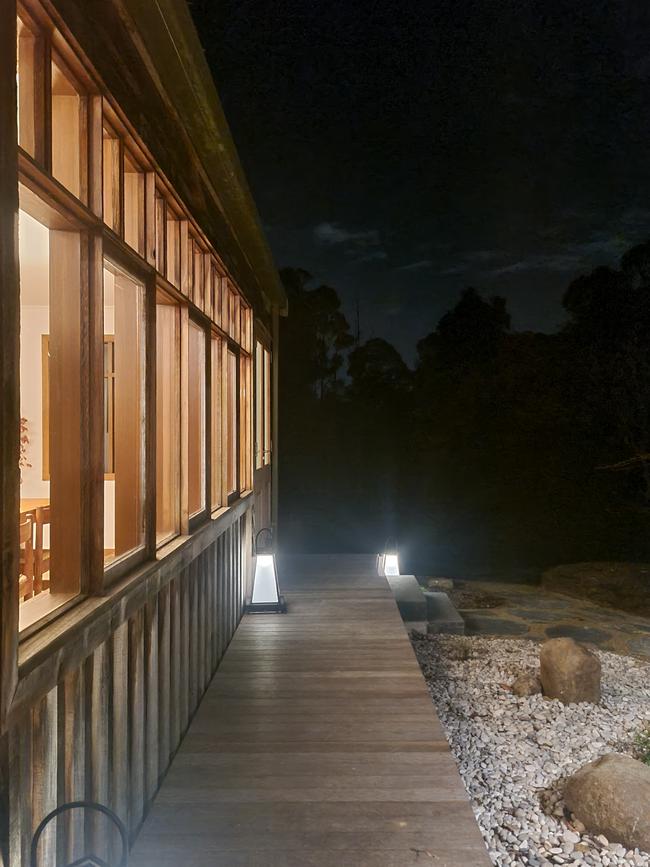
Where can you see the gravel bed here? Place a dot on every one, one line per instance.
(513, 753)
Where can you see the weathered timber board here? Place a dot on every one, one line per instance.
(316, 744)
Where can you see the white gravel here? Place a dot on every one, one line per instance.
(513, 753)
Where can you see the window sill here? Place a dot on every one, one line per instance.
(170, 546)
(223, 510)
(34, 611)
(77, 613)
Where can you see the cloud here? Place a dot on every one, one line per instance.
(334, 233)
(420, 265)
(461, 268)
(373, 256)
(470, 260)
(541, 262)
(596, 250)
(483, 255)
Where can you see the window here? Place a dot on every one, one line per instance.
(206, 305)
(232, 416)
(68, 131)
(50, 397)
(262, 406)
(124, 380)
(196, 419)
(173, 248)
(245, 424)
(27, 49)
(168, 409)
(196, 264)
(219, 282)
(84, 388)
(234, 323)
(109, 407)
(246, 328)
(267, 407)
(217, 419)
(108, 391)
(112, 179)
(259, 406)
(133, 204)
(160, 228)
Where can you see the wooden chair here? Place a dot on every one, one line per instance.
(26, 567)
(41, 554)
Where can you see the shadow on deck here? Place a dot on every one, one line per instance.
(316, 744)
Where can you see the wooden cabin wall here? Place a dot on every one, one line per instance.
(108, 729)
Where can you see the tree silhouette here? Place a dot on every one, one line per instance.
(500, 450)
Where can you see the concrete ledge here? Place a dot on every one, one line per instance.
(409, 597)
(442, 614)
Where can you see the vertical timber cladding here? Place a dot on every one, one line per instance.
(109, 728)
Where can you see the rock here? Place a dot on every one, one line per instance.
(510, 750)
(611, 797)
(439, 584)
(569, 672)
(625, 586)
(526, 684)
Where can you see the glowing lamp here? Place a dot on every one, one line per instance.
(391, 564)
(389, 560)
(266, 598)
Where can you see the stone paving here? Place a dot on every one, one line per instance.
(530, 611)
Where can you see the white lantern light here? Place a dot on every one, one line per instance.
(391, 564)
(266, 598)
(389, 560)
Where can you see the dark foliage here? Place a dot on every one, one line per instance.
(501, 452)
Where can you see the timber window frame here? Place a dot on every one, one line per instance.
(232, 413)
(198, 409)
(164, 250)
(262, 404)
(169, 419)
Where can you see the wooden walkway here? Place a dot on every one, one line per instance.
(316, 744)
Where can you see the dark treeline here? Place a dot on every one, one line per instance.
(501, 451)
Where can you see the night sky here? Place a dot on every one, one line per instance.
(401, 151)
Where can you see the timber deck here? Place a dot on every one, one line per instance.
(316, 744)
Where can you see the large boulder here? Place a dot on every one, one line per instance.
(611, 796)
(569, 671)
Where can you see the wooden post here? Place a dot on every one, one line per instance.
(9, 363)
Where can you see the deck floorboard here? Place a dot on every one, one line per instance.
(316, 744)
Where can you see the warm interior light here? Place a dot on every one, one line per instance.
(391, 566)
(265, 588)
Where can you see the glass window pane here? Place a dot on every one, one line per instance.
(196, 265)
(173, 249)
(232, 483)
(124, 414)
(111, 172)
(167, 421)
(216, 484)
(26, 84)
(259, 405)
(50, 427)
(245, 430)
(196, 419)
(267, 407)
(160, 234)
(68, 125)
(133, 204)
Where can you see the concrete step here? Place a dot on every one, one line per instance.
(442, 615)
(409, 597)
